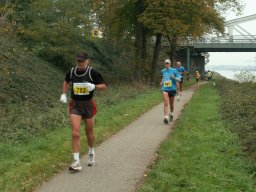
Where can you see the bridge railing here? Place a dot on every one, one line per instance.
(250, 39)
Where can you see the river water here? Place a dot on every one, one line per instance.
(230, 74)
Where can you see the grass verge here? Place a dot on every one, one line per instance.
(201, 154)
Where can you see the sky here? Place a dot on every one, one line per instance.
(236, 58)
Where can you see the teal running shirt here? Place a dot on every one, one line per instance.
(181, 70)
(168, 83)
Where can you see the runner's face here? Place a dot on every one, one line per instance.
(167, 65)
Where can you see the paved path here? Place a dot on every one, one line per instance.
(122, 159)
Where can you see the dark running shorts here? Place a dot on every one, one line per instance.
(171, 93)
(181, 80)
(86, 109)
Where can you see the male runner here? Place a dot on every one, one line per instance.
(181, 71)
(83, 80)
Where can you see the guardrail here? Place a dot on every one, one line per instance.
(217, 40)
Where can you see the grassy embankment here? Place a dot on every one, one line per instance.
(204, 152)
(238, 108)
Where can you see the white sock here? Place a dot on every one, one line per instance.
(171, 113)
(91, 150)
(76, 157)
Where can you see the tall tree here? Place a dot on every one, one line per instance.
(54, 30)
(119, 19)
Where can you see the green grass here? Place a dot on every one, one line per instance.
(201, 154)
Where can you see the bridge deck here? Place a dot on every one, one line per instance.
(222, 44)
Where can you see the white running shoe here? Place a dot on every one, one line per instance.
(75, 166)
(91, 160)
(170, 118)
(178, 97)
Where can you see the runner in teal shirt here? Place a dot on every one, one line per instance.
(181, 71)
(168, 83)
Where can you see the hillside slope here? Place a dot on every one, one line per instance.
(29, 87)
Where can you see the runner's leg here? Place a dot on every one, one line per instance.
(75, 124)
(178, 90)
(171, 100)
(89, 124)
(166, 102)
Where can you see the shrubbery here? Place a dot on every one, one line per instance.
(245, 76)
(238, 101)
(29, 93)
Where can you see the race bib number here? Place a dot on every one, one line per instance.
(167, 83)
(80, 89)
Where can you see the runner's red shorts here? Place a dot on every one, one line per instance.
(87, 108)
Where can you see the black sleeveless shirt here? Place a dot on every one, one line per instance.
(77, 78)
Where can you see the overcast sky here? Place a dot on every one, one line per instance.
(238, 58)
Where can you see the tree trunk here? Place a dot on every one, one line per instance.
(139, 32)
(146, 64)
(155, 59)
(173, 46)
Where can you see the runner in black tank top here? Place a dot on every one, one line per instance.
(82, 80)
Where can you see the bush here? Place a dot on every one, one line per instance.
(245, 76)
(29, 88)
(238, 103)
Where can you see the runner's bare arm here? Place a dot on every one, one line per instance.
(65, 87)
(101, 86)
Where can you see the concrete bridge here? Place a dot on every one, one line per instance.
(194, 50)
(236, 43)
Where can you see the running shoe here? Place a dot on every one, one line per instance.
(178, 97)
(166, 120)
(91, 161)
(170, 118)
(75, 166)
